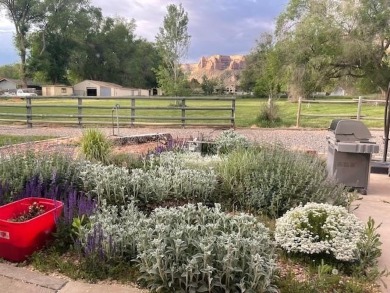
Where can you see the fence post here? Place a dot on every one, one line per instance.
(233, 118)
(359, 109)
(299, 111)
(29, 112)
(183, 112)
(80, 111)
(132, 115)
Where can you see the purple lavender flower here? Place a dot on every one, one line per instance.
(4, 192)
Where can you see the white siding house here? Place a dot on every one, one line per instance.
(8, 84)
(95, 88)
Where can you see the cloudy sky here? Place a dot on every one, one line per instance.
(224, 27)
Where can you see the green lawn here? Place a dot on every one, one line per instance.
(246, 111)
(12, 139)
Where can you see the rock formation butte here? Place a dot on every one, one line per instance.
(227, 68)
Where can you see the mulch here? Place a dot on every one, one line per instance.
(69, 146)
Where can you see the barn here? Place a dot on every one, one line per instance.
(94, 88)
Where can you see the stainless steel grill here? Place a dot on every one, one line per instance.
(349, 153)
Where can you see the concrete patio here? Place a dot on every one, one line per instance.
(377, 205)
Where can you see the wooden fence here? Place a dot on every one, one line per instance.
(357, 115)
(11, 111)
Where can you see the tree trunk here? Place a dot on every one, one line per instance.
(23, 76)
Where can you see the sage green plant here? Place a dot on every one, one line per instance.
(229, 140)
(105, 183)
(95, 146)
(271, 180)
(194, 248)
(168, 176)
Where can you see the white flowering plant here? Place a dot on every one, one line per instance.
(320, 228)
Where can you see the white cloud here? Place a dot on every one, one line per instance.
(215, 26)
(5, 24)
(8, 53)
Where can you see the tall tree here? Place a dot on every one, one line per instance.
(172, 42)
(62, 32)
(311, 41)
(24, 14)
(325, 40)
(208, 85)
(262, 74)
(113, 53)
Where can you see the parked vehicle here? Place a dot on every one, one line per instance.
(7, 94)
(21, 93)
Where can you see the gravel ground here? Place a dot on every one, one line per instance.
(302, 139)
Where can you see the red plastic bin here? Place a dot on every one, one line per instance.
(18, 240)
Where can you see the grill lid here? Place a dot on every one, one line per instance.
(349, 130)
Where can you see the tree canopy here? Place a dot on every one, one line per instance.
(24, 14)
(173, 42)
(263, 73)
(10, 71)
(321, 43)
(61, 33)
(328, 40)
(65, 41)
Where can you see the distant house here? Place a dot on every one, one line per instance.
(57, 90)
(94, 88)
(13, 84)
(231, 89)
(339, 91)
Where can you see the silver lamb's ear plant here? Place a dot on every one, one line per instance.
(197, 249)
(108, 183)
(117, 228)
(229, 140)
(168, 177)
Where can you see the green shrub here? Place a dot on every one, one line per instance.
(95, 146)
(269, 115)
(127, 160)
(229, 140)
(272, 180)
(320, 228)
(197, 249)
(369, 248)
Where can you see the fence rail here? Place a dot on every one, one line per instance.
(135, 114)
(357, 115)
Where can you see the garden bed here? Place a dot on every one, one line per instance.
(197, 222)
